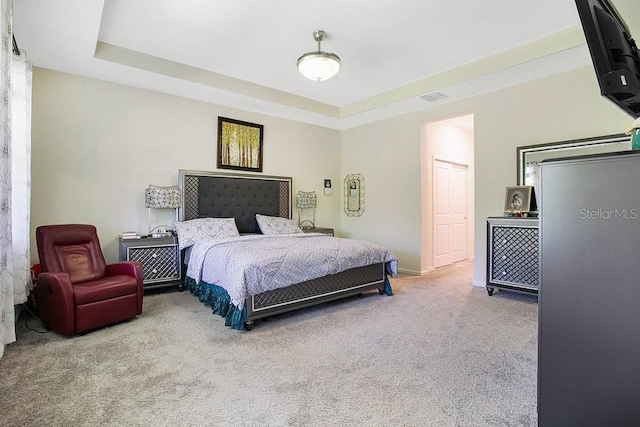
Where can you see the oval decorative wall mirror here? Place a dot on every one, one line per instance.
(354, 194)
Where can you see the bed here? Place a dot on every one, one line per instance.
(222, 198)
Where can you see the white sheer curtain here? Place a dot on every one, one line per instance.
(15, 177)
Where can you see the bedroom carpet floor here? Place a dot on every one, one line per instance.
(439, 352)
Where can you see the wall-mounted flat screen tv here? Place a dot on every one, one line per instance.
(614, 53)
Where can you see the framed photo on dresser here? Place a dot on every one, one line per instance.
(519, 199)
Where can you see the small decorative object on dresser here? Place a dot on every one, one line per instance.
(160, 260)
(520, 200)
(130, 235)
(327, 231)
(634, 131)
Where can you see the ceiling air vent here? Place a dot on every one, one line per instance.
(433, 96)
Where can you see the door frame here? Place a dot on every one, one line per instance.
(433, 205)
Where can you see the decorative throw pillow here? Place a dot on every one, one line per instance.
(277, 225)
(195, 230)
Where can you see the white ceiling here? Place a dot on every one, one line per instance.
(242, 53)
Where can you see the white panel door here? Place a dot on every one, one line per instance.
(450, 213)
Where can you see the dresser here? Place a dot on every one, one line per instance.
(160, 260)
(513, 254)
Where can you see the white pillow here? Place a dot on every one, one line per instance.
(277, 225)
(195, 230)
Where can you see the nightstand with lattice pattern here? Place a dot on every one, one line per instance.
(160, 260)
(513, 254)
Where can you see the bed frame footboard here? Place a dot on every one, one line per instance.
(335, 286)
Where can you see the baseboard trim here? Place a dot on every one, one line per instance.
(409, 272)
(427, 271)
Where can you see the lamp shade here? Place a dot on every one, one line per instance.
(319, 65)
(306, 200)
(162, 197)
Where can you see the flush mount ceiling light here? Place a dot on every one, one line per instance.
(319, 65)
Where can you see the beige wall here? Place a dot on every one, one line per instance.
(387, 154)
(97, 145)
(557, 108)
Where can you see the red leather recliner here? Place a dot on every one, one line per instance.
(77, 290)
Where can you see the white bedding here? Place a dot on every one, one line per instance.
(252, 264)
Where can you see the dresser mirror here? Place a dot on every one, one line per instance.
(354, 194)
(529, 157)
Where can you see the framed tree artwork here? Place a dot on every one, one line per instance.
(239, 145)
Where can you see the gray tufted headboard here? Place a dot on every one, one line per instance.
(234, 195)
